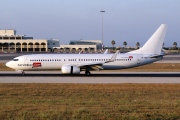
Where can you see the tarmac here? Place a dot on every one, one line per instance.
(95, 78)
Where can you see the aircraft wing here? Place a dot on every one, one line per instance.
(99, 64)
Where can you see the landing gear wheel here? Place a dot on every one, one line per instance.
(87, 73)
(22, 73)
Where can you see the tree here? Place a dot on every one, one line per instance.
(113, 43)
(137, 45)
(175, 44)
(125, 43)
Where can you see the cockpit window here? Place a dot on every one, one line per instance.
(16, 59)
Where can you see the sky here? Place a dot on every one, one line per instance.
(124, 20)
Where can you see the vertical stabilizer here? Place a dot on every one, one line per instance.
(155, 42)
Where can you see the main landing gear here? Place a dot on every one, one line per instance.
(88, 73)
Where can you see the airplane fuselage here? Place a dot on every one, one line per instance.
(56, 61)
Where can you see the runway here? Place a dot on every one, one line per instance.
(96, 77)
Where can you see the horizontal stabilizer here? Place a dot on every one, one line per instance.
(156, 56)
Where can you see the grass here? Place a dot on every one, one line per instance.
(90, 101)
(4, 68)
(93, 101)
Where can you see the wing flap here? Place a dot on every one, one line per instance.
(90, 64)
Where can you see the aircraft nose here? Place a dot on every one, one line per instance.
(8, 64)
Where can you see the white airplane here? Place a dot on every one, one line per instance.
(75, 63)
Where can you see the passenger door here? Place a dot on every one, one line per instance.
(139, 57)
(26, 60)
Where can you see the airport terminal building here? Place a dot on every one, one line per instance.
(82, 45)
(10, 43)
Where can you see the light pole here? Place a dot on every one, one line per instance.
(102, 29)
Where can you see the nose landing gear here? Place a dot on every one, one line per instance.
(22, 73)
(88, 73)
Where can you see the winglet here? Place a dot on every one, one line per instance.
(80, 51)
(106, 51)
(113, 57)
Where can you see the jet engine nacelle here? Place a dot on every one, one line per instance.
(70, 69)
